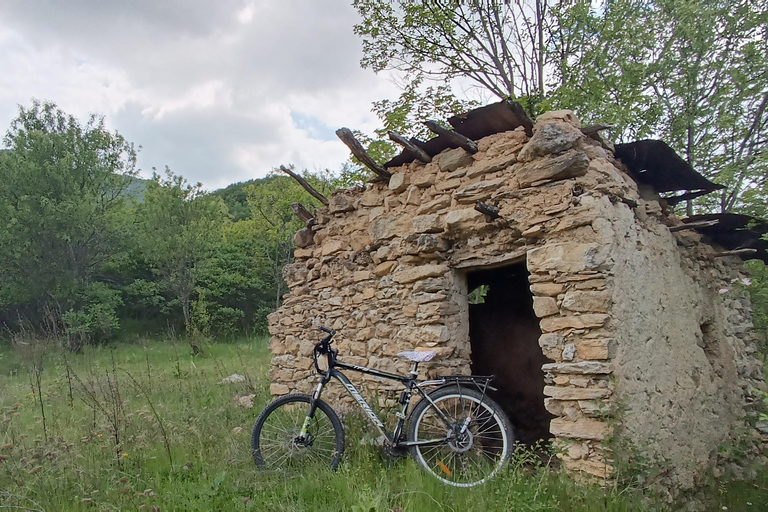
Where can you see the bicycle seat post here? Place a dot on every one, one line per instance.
(415, 369)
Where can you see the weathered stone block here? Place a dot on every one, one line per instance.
(303, 237)
(423, 179)
(586, 321)
(592, 284)
(561, 116)
(295, 273)
(551, 341)
(453, 159)
(333, 246)
(340, 203)
(399, 182)
(424, 334)
(581, 368)
(568, 165)
(478, 191)
(593, 349)
(457, 220)
(428, 224)
(584, 428)
(545, 306)
(575, 220)
(371, 198)
(384, 228)
(303, 253)
(437, 204)
(491, 165)
(547, 289)
(586, 301)
(411, 274)
(443, 185)
(566, 257)
(361, 275)
(563, 393)
(592, 467)
(384, 268)
(413, 196)
(550, 138)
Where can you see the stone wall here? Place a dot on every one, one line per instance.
(630, 314)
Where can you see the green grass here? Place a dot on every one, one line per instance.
(147, 425)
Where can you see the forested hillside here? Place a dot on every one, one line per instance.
(89, 251)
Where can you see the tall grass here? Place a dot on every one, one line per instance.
(148, 426)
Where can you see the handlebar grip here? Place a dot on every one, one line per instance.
(326, 329)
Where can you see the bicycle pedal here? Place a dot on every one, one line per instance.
(400, 415)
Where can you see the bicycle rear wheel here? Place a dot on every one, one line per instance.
(471, 458)
(276, 442)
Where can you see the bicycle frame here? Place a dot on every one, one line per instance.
(409, 382)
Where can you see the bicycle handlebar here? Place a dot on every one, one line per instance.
(324, 347)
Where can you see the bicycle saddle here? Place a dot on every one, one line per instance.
(418, 357)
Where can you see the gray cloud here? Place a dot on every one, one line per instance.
(219, 91)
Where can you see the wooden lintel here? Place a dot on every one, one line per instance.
(737, 252)
(487, 209)
(314, 193)
(456, 138)
(302, 213)
(410, 146)
(694, 225)
(589, 130)
(357, 149)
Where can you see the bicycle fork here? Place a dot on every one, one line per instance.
(304, 432)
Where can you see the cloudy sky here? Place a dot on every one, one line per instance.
(220, 91)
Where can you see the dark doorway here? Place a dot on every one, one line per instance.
(504, 334)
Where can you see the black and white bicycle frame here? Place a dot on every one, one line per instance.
(410, 383)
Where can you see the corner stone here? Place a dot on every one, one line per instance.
(566, 257)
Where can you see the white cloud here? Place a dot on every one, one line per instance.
(219, 91)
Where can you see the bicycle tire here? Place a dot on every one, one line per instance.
(274, 437)
(473, 460)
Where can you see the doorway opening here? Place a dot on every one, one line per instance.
(504, 336)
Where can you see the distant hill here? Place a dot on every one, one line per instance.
(236, 199)
(136, 189)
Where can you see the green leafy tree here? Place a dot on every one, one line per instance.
(234, 283)
(499, 45)
(63, 205)
(691, 73)
(273, 222)
(178, 228)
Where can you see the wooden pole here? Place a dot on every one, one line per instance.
(594, 128)
(348, 138)
(694, 225)
(410, 146)
(522, 116)
(314, 193)
(456, 138)
(302, 213)
(737, 252)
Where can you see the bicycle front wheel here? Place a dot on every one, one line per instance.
(469, 458)
(276, 440)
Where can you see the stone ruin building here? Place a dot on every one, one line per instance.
(546, 256)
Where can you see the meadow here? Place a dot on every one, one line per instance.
(146, 425)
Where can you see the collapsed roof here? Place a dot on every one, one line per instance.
(649, 162)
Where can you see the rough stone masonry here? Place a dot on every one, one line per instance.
(648, 333)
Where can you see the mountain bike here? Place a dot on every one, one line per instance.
(455, 431)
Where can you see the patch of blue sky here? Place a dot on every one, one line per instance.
(314, 128)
